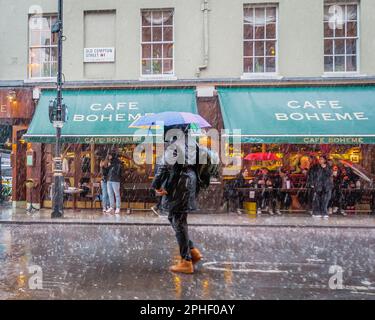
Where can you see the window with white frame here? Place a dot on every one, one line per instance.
(260, 39)
(157, 42)
(42, 47)
(341, 37)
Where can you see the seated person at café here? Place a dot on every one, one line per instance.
(282, 182)
(260, 183)
(84, 184)
(233, 198)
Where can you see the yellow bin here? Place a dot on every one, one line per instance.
(250, 208)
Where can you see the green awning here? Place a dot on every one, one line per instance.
(311, 115)
(104, 116)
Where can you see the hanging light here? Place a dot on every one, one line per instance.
(12, 96)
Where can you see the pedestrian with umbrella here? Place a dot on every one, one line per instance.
(178, 181)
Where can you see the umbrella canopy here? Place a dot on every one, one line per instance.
(262, 156)
(170, 118)
(359, 171)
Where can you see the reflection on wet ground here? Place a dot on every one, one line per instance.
(131, 262)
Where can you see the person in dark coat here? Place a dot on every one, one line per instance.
(179, 184)
(232, 196)
(322, 183)
(337, 199)
(113, 182)
(260, 183)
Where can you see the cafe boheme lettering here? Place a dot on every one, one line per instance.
(109, 112)
(320, 110)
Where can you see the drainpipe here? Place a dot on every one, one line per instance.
(204, 9)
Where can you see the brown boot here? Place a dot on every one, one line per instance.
(196, 255)
(184, 266)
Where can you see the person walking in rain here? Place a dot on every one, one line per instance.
(177, 180)
(322, 184)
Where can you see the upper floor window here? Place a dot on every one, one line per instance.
(157, 42)
(42, 47)
(341, 37)
(260, 39)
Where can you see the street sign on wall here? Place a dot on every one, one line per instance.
(99, 55)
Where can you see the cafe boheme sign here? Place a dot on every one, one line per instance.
(110, 112)
(321, 110)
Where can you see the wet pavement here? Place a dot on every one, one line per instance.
(83, 261)
(88, 217)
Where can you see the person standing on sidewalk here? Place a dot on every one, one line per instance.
(113, 182)
(178, 182)
(322, 183)
(103, 183)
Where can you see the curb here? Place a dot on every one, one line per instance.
(104, 223)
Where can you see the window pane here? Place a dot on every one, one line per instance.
(352, 12)
(248, 48)
(340, 30)
(259, 32)
(351, 29)
(340, 63)
(328, 32)
(54, 69)
(328, 46)
(168, 34)
(156, 66)
(46, 70)
(270, 15)
(248, 31)
(146, 34)
(146, 18)
(35, 56)
(146, 51)
(45, 38)
(270, 64)
(248, 15)
(35, 70)
(351, 63)
(157, 34)
(35, 38)
(248, 64)
(156, 50)
(35, 64)
(259, 48)
(168, 50)
(340, 46)
(328, 64)
(46, 23)
(168, 18)
(54, 54)
(326, 13)
(259, 65)
(351, 46)
(146, 67)
(259, 16)
(168, 66)
(157, 18)
(271, 48)
(271, 31)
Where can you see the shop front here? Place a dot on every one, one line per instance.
(16, 110)
(288, 128)
(99, 121)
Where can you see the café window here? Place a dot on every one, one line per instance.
(341, 37)
(42, 47)
(157, 42)
(260, 39)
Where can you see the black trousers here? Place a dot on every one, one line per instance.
(179, 224)
(320, 202)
